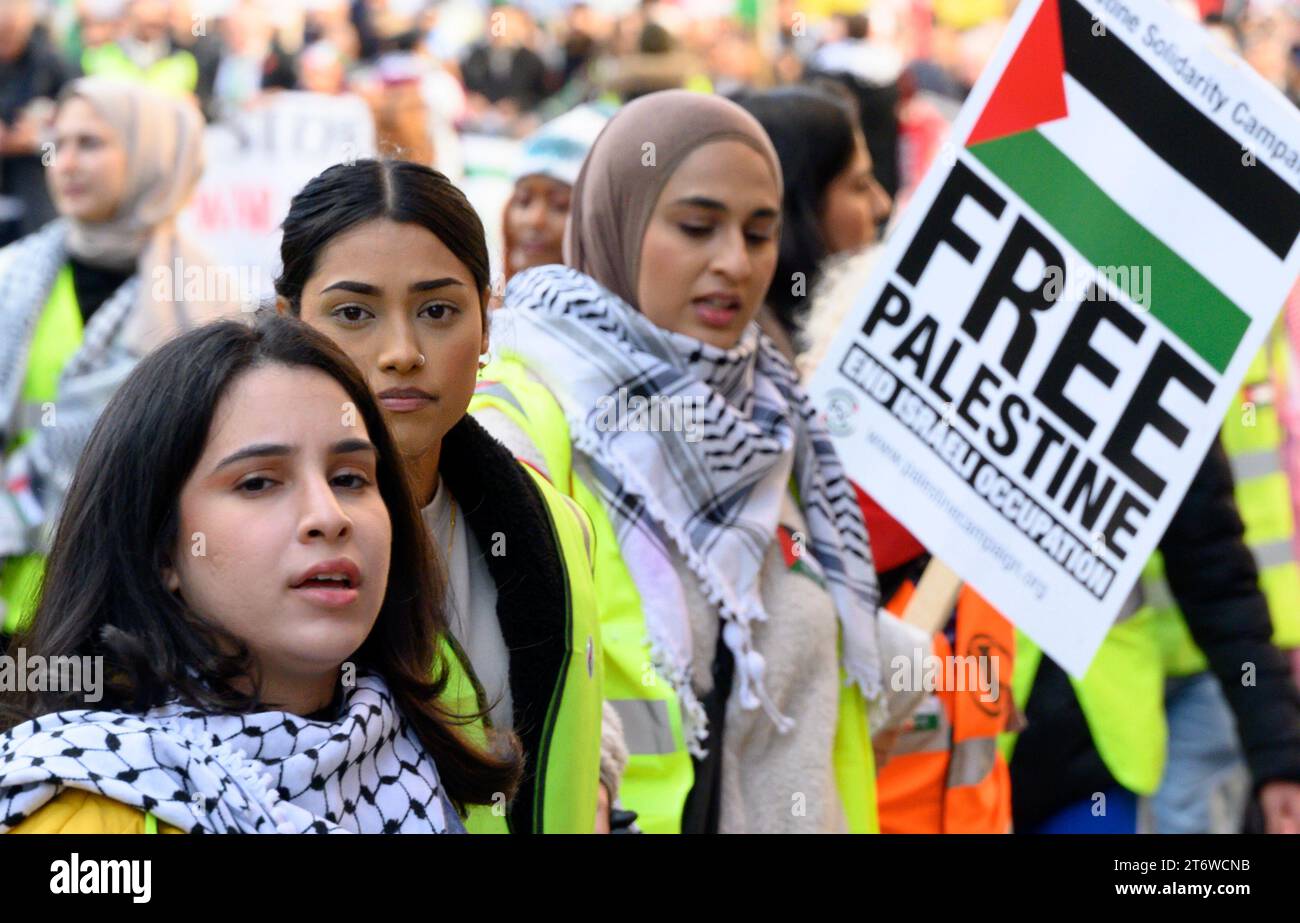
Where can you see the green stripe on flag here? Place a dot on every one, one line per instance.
(1180, 297)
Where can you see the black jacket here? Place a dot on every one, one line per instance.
(1213, 577)
(524, 80)
(498, 498)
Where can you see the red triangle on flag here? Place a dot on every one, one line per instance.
(1032, 88)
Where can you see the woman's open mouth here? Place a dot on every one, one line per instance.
(717, 310)
(332, 584)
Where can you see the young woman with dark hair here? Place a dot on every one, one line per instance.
(241, 548)
(389, 260)
(832, 202)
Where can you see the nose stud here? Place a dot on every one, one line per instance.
(420, 364)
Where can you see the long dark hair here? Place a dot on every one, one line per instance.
(104, 592)
(348, 194)
(814, 134)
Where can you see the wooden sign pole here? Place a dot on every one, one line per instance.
(936, 593)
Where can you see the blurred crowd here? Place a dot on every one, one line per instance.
(433, 71)
(836, 108)
(430, 69)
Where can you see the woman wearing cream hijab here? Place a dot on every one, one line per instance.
(82, 299)
(742, 574)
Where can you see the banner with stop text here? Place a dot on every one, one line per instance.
(1053, 334)
(256, 161)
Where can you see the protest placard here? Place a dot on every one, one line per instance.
(1055, 330)
(256, 162)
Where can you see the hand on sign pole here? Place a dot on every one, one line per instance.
(1280, 802)
(927, 612)
(602, 810)
(882, 743)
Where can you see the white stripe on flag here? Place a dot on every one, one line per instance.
(1166, 204)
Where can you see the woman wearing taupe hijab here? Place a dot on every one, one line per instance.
(741, 629)
(83, 298)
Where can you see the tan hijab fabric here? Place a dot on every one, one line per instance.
(627, 169)
(163, 137)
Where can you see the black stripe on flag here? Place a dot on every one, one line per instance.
(1179, 133)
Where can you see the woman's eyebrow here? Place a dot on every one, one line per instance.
(258, 450)
(714, 205)
(280, 450)
(699, 201)
(345, 446)
(346, 285)
(431, 284)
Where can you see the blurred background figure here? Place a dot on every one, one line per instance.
(833, 202)
(98, 23)
(504, 76)
(146, 50)
(322, 68)
(1267, 33)
(85, 296)
(193, 29)
(251, 59)
(647, 57)
(32, 73)
(331, 20)
(583, 31)
(548, 167)
(870, 72)
(413, 100)
(857, 53)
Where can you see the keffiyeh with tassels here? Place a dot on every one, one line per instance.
(35, 476)
(710, 491)
(365, 772)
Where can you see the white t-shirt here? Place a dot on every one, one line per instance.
(472, 603)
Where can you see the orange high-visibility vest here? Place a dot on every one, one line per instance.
(945, 774)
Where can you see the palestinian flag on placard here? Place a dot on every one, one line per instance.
(1131, 173)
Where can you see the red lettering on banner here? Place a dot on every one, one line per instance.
(239, 208)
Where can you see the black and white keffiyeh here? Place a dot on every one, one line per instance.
(712, 489)
(35, 477)
(365, 772)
